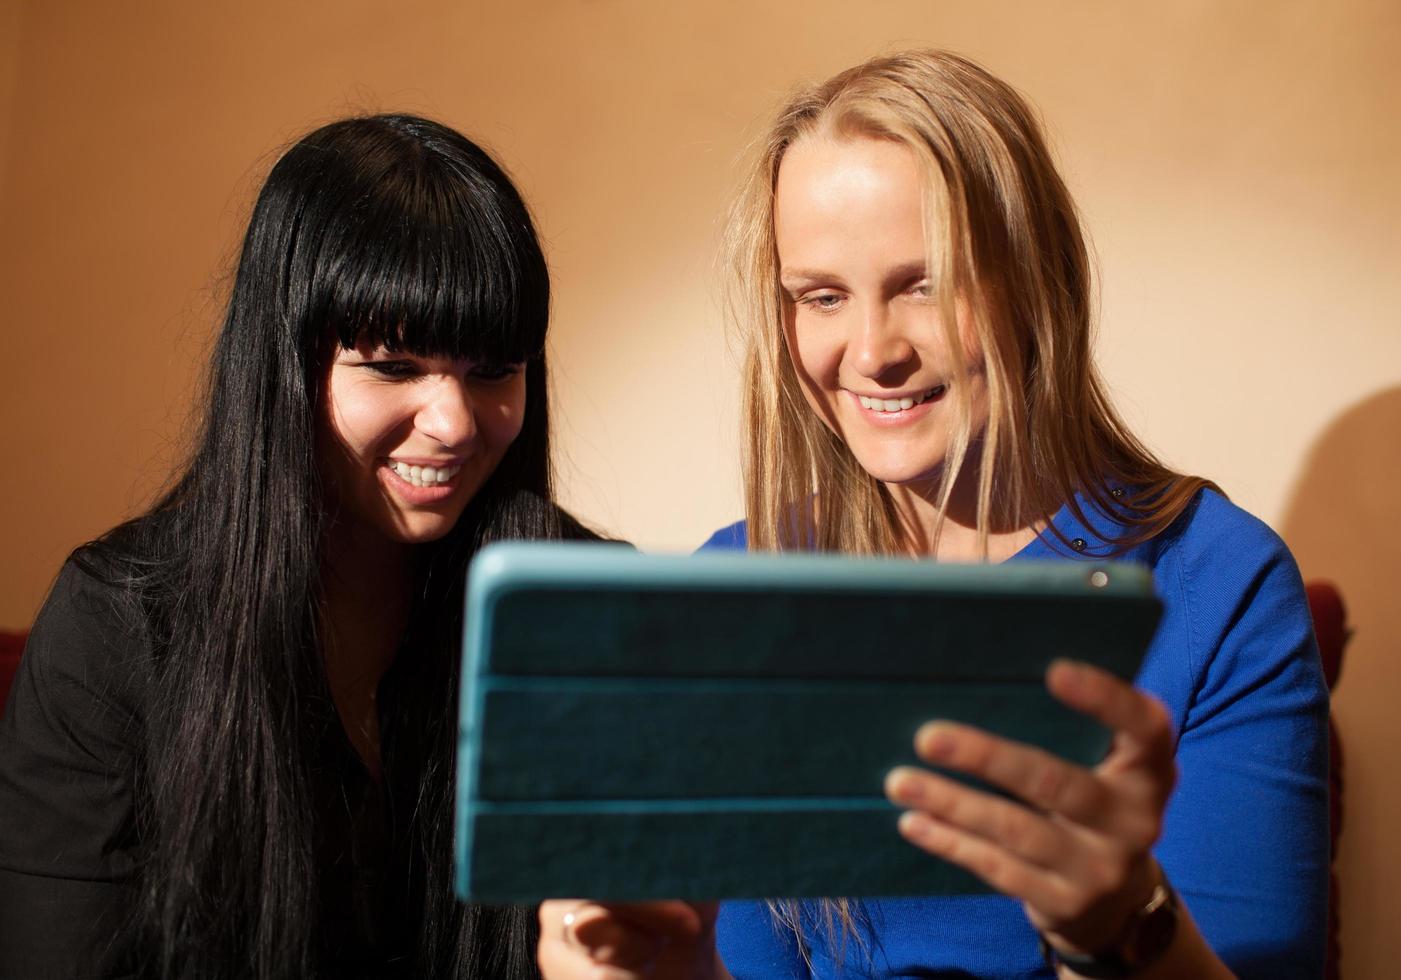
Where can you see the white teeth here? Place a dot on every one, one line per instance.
(424, 476)
(899, 404)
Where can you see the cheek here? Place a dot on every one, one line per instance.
(503, 417)
(968, 337)
(816, 356)
(362, 420)
(815, 365)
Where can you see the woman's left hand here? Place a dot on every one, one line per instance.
(1076, 852)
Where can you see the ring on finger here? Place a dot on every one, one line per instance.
(568, 921)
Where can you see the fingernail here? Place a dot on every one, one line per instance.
(914, 824)
(1070, 673)
(936, 740)
(902, 785)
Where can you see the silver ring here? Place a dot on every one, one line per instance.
(568, 921)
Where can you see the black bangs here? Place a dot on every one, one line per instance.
(418, 241)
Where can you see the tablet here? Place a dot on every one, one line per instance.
(720, 725)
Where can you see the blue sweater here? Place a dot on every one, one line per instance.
(1245, 840)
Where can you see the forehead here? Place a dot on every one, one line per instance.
(842, 200)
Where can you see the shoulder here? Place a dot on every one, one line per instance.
(1224, 562)
(87, 661)
(1236, 612)
(89, 616)
(1214, 528)
(1222, 557)
(71, 734)
(734, 537)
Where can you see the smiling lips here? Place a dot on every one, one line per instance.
(420, 485)
(424, 476)
(891, 405)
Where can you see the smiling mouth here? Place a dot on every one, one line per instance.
(424, 476)
(900, 404)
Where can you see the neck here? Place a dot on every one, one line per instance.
(954, 537)
(367, 584)
(364, 575)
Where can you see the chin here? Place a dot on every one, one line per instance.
(903, 478)
(900, 470)
(426, 537)
(418, 530)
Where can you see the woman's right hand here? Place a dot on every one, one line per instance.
(583, 940)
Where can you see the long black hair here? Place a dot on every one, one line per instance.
(391, 229)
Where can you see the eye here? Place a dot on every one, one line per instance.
(392, 370)
(494, 372)
(822, 302)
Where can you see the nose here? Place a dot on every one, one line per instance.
(446, 413)
(879, 344)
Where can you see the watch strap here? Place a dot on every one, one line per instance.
(1146, 936)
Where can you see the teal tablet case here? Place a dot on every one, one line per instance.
(720, 725)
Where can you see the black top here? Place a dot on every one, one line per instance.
(69, 755)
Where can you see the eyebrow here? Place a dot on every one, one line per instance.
(794, 278)
(803, 277)
(910, 270)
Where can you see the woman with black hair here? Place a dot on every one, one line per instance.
(229, 748)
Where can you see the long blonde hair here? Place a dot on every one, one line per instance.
(1004, 239)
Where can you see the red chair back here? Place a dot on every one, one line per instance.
(1330, 626)
(11, 646)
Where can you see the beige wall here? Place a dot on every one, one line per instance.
(1237, 165)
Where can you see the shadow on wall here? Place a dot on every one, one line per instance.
(1343, 523)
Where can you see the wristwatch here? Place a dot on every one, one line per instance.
(1146, 936)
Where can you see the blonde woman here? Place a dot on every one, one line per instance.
(915, 288)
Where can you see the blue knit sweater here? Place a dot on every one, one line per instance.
(1245, 841)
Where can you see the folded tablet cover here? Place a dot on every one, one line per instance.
(719, 725)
